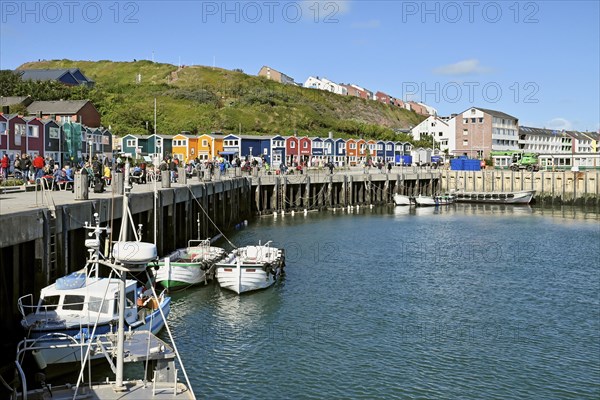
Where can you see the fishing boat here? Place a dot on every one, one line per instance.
(160, 380)
(189, 266)
(434, 200)
(402, 200)
(518, 197)
(77, 301)
(251, 268)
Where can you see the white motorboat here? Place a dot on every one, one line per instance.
(160, 371)
(518, 197)
(74, 304)
(402, 200)
(189, 266)
(251, 268)
(434, 200)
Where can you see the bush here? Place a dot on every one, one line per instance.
(12, 182)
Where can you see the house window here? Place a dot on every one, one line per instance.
(33, 131)
(305, 145)
(481, 120)
(353, 146)
(3, 128)
(204, 143)
(473, 120)
(465, 132)
(292, 145)
(54, 133)
(465, 142)
(465, 120)
(130, 143)
(19, 131)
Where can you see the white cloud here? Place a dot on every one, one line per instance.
(465, 67)
(559, 124)
(371, 24)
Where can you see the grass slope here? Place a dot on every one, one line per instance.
(204, 99)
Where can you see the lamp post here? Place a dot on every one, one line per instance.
(91, 143)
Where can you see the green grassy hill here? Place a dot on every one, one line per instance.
(204, 99)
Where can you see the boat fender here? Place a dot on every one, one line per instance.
(39, 359)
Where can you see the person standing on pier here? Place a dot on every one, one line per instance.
(5, 164)
(38, 164)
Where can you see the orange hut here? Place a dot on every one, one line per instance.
(209, 146)
(184, 146)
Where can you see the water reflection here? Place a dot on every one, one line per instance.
(567, 212)
(437, 210)
(506, 209)
(403, 210)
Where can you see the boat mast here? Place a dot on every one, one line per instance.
(121, 327)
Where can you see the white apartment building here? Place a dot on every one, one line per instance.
(443, 131)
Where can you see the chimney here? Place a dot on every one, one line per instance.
(330, 135)
(38, 114)
(5, 109)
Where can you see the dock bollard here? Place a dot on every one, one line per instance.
(81, 187)
(181, 176)
(165, 179)
(118, 183)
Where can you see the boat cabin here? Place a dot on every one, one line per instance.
(67, 302)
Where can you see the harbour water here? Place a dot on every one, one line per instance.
(452, 303)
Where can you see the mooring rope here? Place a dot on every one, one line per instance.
(209, 218)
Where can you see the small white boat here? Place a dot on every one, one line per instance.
(518, 197)
(251, 268)
(434, 200)
(189, 266)
(401, 200)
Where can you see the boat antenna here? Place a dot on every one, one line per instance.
(210, 219)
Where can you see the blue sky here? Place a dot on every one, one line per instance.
(536, 60)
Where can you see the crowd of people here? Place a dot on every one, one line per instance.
(100, 171)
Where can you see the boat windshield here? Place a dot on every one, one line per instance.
(49, 303)
(94, 305)
(73, 302)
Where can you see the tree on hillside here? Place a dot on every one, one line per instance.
(10, 82)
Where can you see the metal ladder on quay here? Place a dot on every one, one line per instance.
(52, 272)
(280, 206)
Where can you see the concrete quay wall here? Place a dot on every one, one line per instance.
(560, 188)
